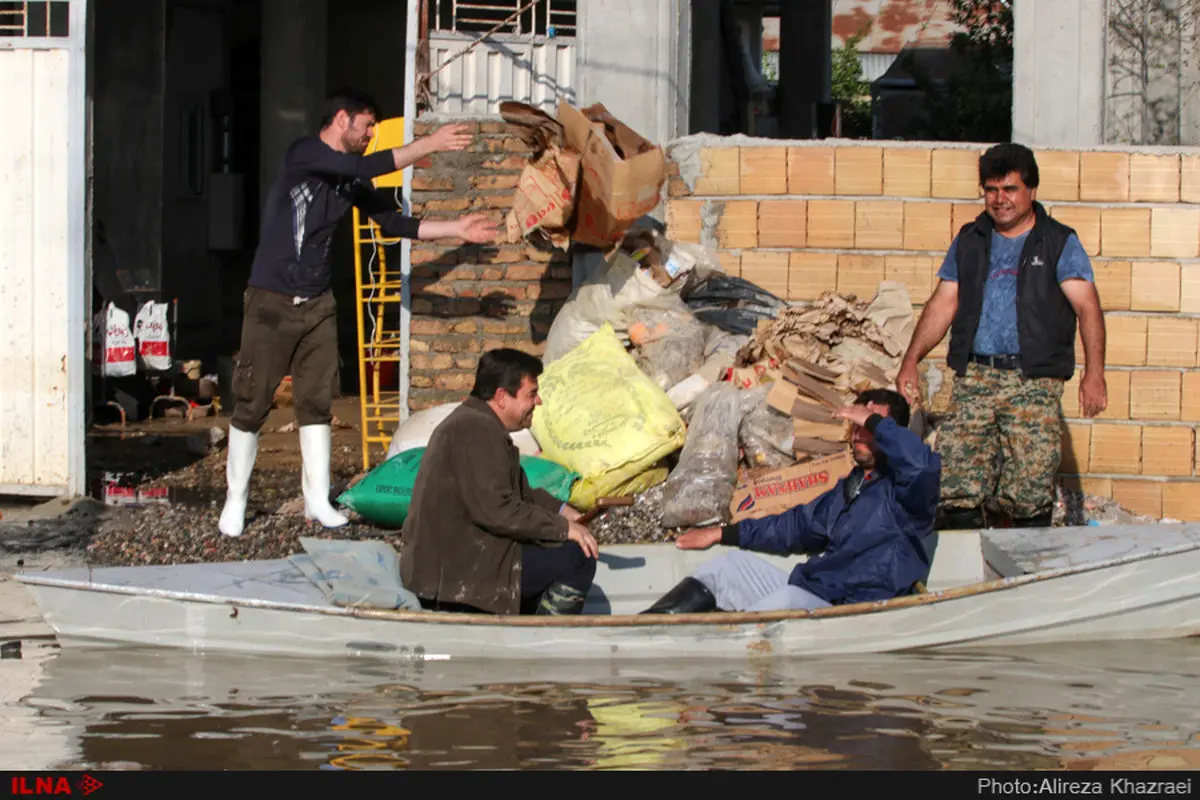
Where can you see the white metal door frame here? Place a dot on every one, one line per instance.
(78, 291)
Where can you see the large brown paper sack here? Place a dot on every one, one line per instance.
(544, 200)
(616, 188)
(780, 489)
(545, 196)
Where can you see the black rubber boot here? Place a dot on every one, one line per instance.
(561, 599)
(1045, 520)
(960, 519)
(689, 596)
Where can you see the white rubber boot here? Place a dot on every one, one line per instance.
(315, 444)
(239, 464)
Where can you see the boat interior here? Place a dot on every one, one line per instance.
(630, 578)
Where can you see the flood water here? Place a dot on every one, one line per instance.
(1109, 706)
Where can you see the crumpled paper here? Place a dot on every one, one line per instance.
(836, 333)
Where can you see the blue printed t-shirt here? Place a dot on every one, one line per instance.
(997, 332)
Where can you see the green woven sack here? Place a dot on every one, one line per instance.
(384, 495)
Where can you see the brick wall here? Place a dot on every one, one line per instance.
(801, 220)
(469, 298)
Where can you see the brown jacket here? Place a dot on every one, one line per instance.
(472, 507)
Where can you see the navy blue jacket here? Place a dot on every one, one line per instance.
(874, 548)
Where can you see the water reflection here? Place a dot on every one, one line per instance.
(1073, 707)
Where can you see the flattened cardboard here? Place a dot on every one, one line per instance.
(820, 391)
(827, 431)
(816, 447)
(782, 397)
(804, 408)
(755, 375)
(799, 366)
(778, 490)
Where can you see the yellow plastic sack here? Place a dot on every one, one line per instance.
(603, 418)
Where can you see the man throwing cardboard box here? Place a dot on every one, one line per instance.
(870, 537)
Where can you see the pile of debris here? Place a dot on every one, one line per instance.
(699, 394)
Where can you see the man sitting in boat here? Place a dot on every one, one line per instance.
(870, 537)
(477, 538)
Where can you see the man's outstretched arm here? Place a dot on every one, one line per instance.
(313, 155)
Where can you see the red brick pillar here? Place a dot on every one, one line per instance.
(466, 298)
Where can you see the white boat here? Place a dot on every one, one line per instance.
(986, 589)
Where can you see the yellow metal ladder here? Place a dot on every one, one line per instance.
(379, 292)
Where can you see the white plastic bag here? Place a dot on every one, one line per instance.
(115, 349)
(604, 297)
(416, 430)
(153, 338)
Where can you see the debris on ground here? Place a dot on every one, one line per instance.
(188, 534)
(1074, 507)
(638, 523)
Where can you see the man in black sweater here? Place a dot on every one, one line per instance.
(290, 319)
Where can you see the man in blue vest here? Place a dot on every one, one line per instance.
(1013, 287)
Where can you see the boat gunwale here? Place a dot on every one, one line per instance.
(708, 618)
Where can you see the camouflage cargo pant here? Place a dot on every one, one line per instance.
(994, 411)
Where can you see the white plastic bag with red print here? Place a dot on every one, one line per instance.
(114, 351)
(153, 338)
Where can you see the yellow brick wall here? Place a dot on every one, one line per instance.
(808, 218)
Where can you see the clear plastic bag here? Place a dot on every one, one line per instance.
(669, 340)
(699, 490)
(758, 453)
(766, 435)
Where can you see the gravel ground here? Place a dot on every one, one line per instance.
(638, 523)
(183, 535)
(184, 529)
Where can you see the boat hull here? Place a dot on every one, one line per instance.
(268, 608)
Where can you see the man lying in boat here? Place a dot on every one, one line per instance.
(477, 538)
(870, 537)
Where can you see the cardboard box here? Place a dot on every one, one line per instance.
(780, 489)
(783, 396)
(616, 187)
(545, 196)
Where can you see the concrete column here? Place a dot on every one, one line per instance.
(1189, 83)
(805, 64)
(1059, 73)
(630, 57)
(294, 52)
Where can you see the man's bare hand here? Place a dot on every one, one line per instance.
(449, 138)
(477, 228)
(907, 382)
(583, 537)
(856, 414)
(1093, 394)
(570, 513)
(699, 539)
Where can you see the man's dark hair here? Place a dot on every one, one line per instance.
(1001, 159)
(352, 101)
(897, 405)
(504, 368)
